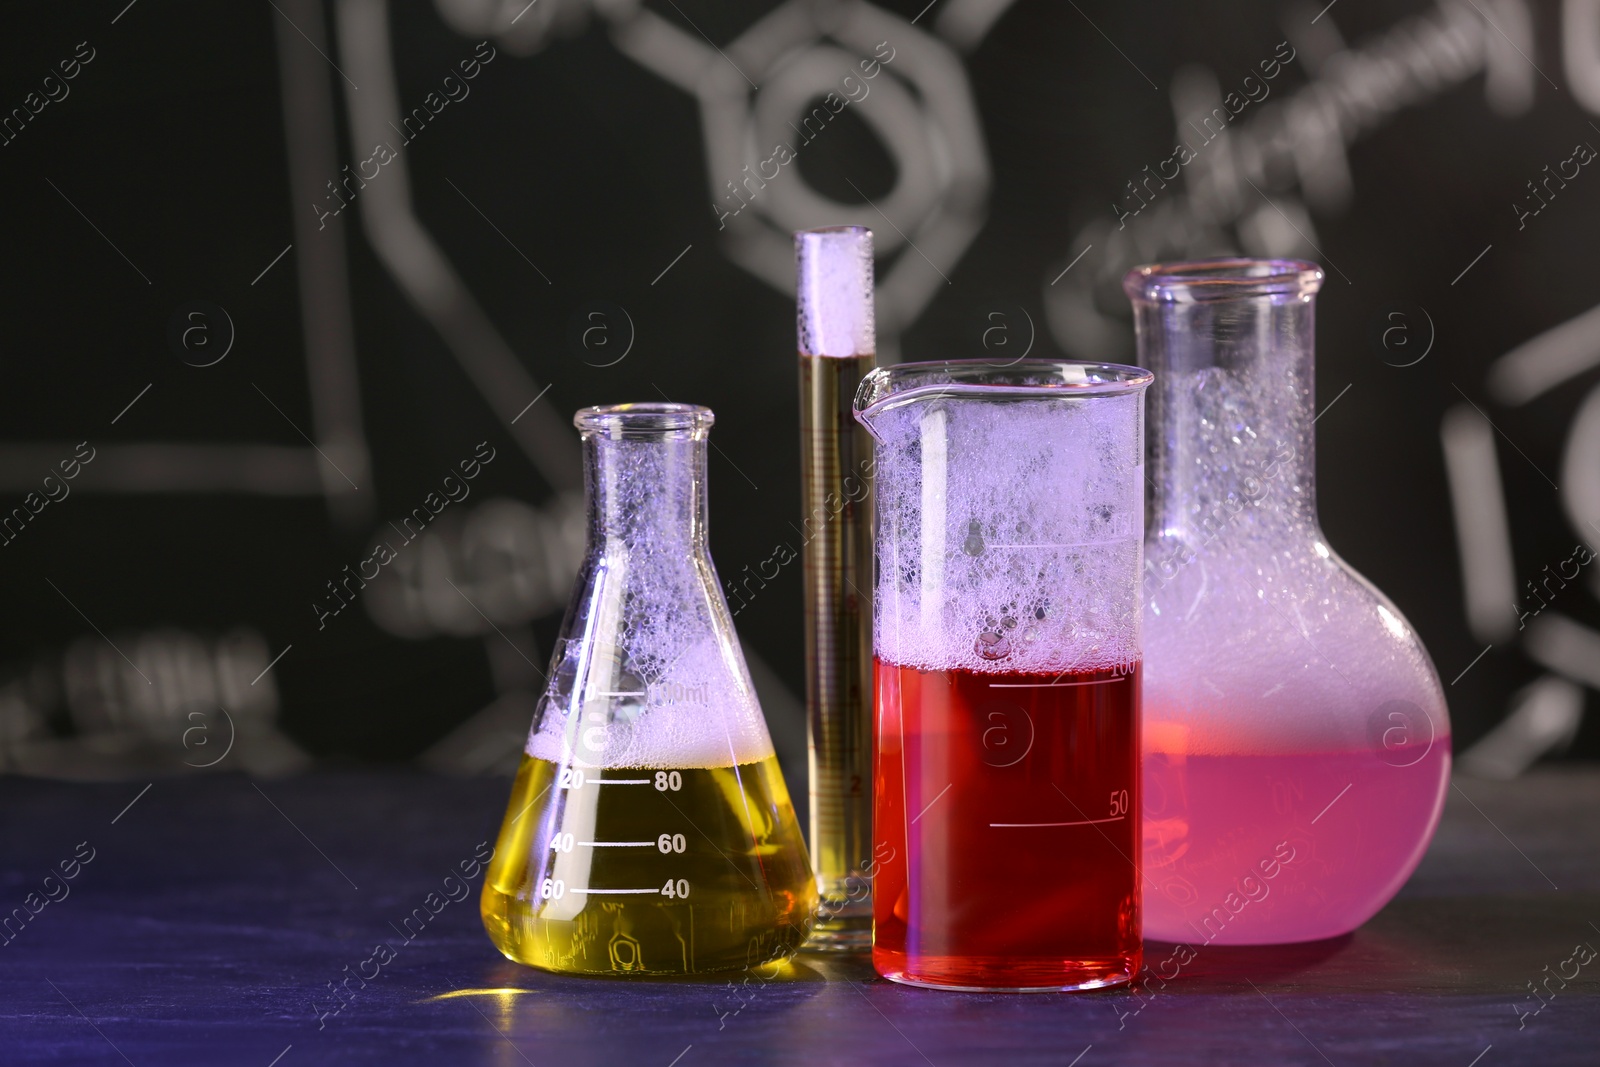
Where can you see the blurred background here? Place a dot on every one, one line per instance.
(276, 268)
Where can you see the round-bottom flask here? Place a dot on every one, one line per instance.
(1296, 742)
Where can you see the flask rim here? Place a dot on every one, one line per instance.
(980, 379)
(645, 421)
(1225, 278)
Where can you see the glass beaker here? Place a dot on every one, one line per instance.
(1010, 520)
(649, 830)
(1297, 747)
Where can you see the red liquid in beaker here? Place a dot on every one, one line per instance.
(1007, 816)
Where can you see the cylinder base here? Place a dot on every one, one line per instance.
(841, 933)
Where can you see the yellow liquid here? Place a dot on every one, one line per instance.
(835, 466)
(627, 871)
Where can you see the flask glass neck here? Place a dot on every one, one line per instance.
(645, 476)
(1232, 406)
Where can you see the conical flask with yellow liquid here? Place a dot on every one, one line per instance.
(649, 830)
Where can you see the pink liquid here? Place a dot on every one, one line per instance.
(1249, 850)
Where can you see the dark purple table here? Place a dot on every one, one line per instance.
(213, 915)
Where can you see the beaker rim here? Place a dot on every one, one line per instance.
(982, 379)
(647, 420)
(1226, 278)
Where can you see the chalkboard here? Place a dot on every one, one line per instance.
(278, 269)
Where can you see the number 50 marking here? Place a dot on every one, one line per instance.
(1119, 802)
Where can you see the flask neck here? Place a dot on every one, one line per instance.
(1231, 414)
(646, 492)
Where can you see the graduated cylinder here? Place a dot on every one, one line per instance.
(836, 342)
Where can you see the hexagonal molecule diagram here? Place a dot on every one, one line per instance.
(774, 90)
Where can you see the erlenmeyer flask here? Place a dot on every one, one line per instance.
(649, 830)
(1296, 743)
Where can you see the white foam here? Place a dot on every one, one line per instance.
(1009, 533)
(833, 292)
(1264, 642)
(644, 680)
(700, 712)
(1251, 651)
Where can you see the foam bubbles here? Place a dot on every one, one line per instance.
(699, 710)
(1257, 648)
(1258, 638)
(1009, 532)
(650, 674)
(834, 306)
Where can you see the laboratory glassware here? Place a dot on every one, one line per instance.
(1010, 521)
(649, 830)
(1297, 746)
(834, 324)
